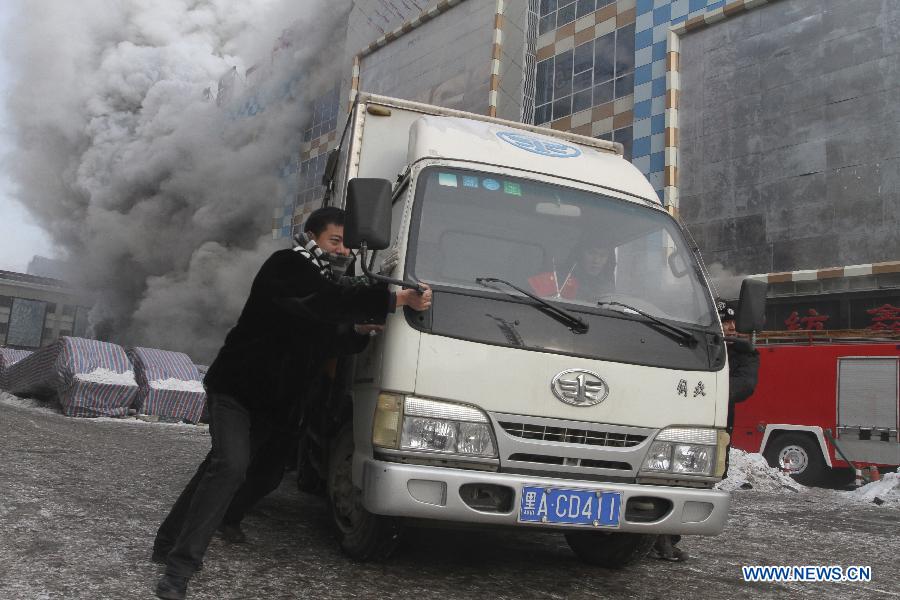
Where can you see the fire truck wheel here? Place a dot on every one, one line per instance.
(797, 455)
(610, 550)
(363, 536)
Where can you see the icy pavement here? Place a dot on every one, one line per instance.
(80, 500)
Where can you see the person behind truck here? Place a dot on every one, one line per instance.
(588, 274)
(287, 327)
(743, 369)
(743, 366)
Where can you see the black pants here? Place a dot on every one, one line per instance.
(263, 476)
(236, 438)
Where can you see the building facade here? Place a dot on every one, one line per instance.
(35, 311)
(768, 126)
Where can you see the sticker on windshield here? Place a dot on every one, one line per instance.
(448, 179)
(537, 145)
(491, 184)
(469, 181)
(511, 187)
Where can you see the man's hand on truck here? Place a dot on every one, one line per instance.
(417, 301)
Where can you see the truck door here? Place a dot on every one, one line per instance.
(867, 408)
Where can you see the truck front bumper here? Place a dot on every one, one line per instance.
(421, 492)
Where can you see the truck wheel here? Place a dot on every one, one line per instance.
(362, 535)
(610, 550)
(798, 456)
(308, 478)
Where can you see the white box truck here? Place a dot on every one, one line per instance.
(571, 373)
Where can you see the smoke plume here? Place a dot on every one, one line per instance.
(160, 195)
(725, 282)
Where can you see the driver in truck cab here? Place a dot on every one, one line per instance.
(588, 274)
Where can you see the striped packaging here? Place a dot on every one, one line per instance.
(9, 357)
(169, 384)
(90, 378)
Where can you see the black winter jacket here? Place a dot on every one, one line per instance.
(293, 321)
(743, 367)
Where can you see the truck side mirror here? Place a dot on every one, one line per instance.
(368, 214)
(751, 313)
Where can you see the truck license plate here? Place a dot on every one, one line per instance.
(570, 507)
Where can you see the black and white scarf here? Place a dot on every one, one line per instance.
(311, 252)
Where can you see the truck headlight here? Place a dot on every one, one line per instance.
(432, 426)
(685, 451)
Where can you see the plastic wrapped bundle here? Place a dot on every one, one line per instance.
(169, 384)
(90, 378)
(9, 357)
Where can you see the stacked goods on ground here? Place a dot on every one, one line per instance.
(89, 378)
(9, 357)
(169, 384)
(99, 379)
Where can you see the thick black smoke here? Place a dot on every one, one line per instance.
(162, 196)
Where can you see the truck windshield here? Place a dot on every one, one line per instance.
(570, 246)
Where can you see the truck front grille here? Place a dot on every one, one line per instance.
(566, 435)
(571, 462)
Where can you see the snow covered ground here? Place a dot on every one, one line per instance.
(52, 408)
(80, 501)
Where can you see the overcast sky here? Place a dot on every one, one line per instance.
(20, 238)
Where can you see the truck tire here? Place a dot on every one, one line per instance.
(363, 536)
(308, 478)
(797, 455)
(610, 550)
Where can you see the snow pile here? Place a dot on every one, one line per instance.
(748, 470)
(102, 375)
(177, 384)
(884, 492)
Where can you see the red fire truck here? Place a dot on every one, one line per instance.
(815, 390)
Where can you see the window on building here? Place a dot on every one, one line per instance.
(604, 65)
(79, 327)
(26, 323)
(624, 137)
(586, 7)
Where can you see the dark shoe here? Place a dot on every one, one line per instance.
(232, 533)
(665, 549)
(680, 555)
(172, 587)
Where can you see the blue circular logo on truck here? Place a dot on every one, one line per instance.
(538, 145)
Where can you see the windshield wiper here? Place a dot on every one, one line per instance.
(683, 335)
(574, 323)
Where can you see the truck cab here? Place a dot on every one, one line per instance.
(571, 373)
